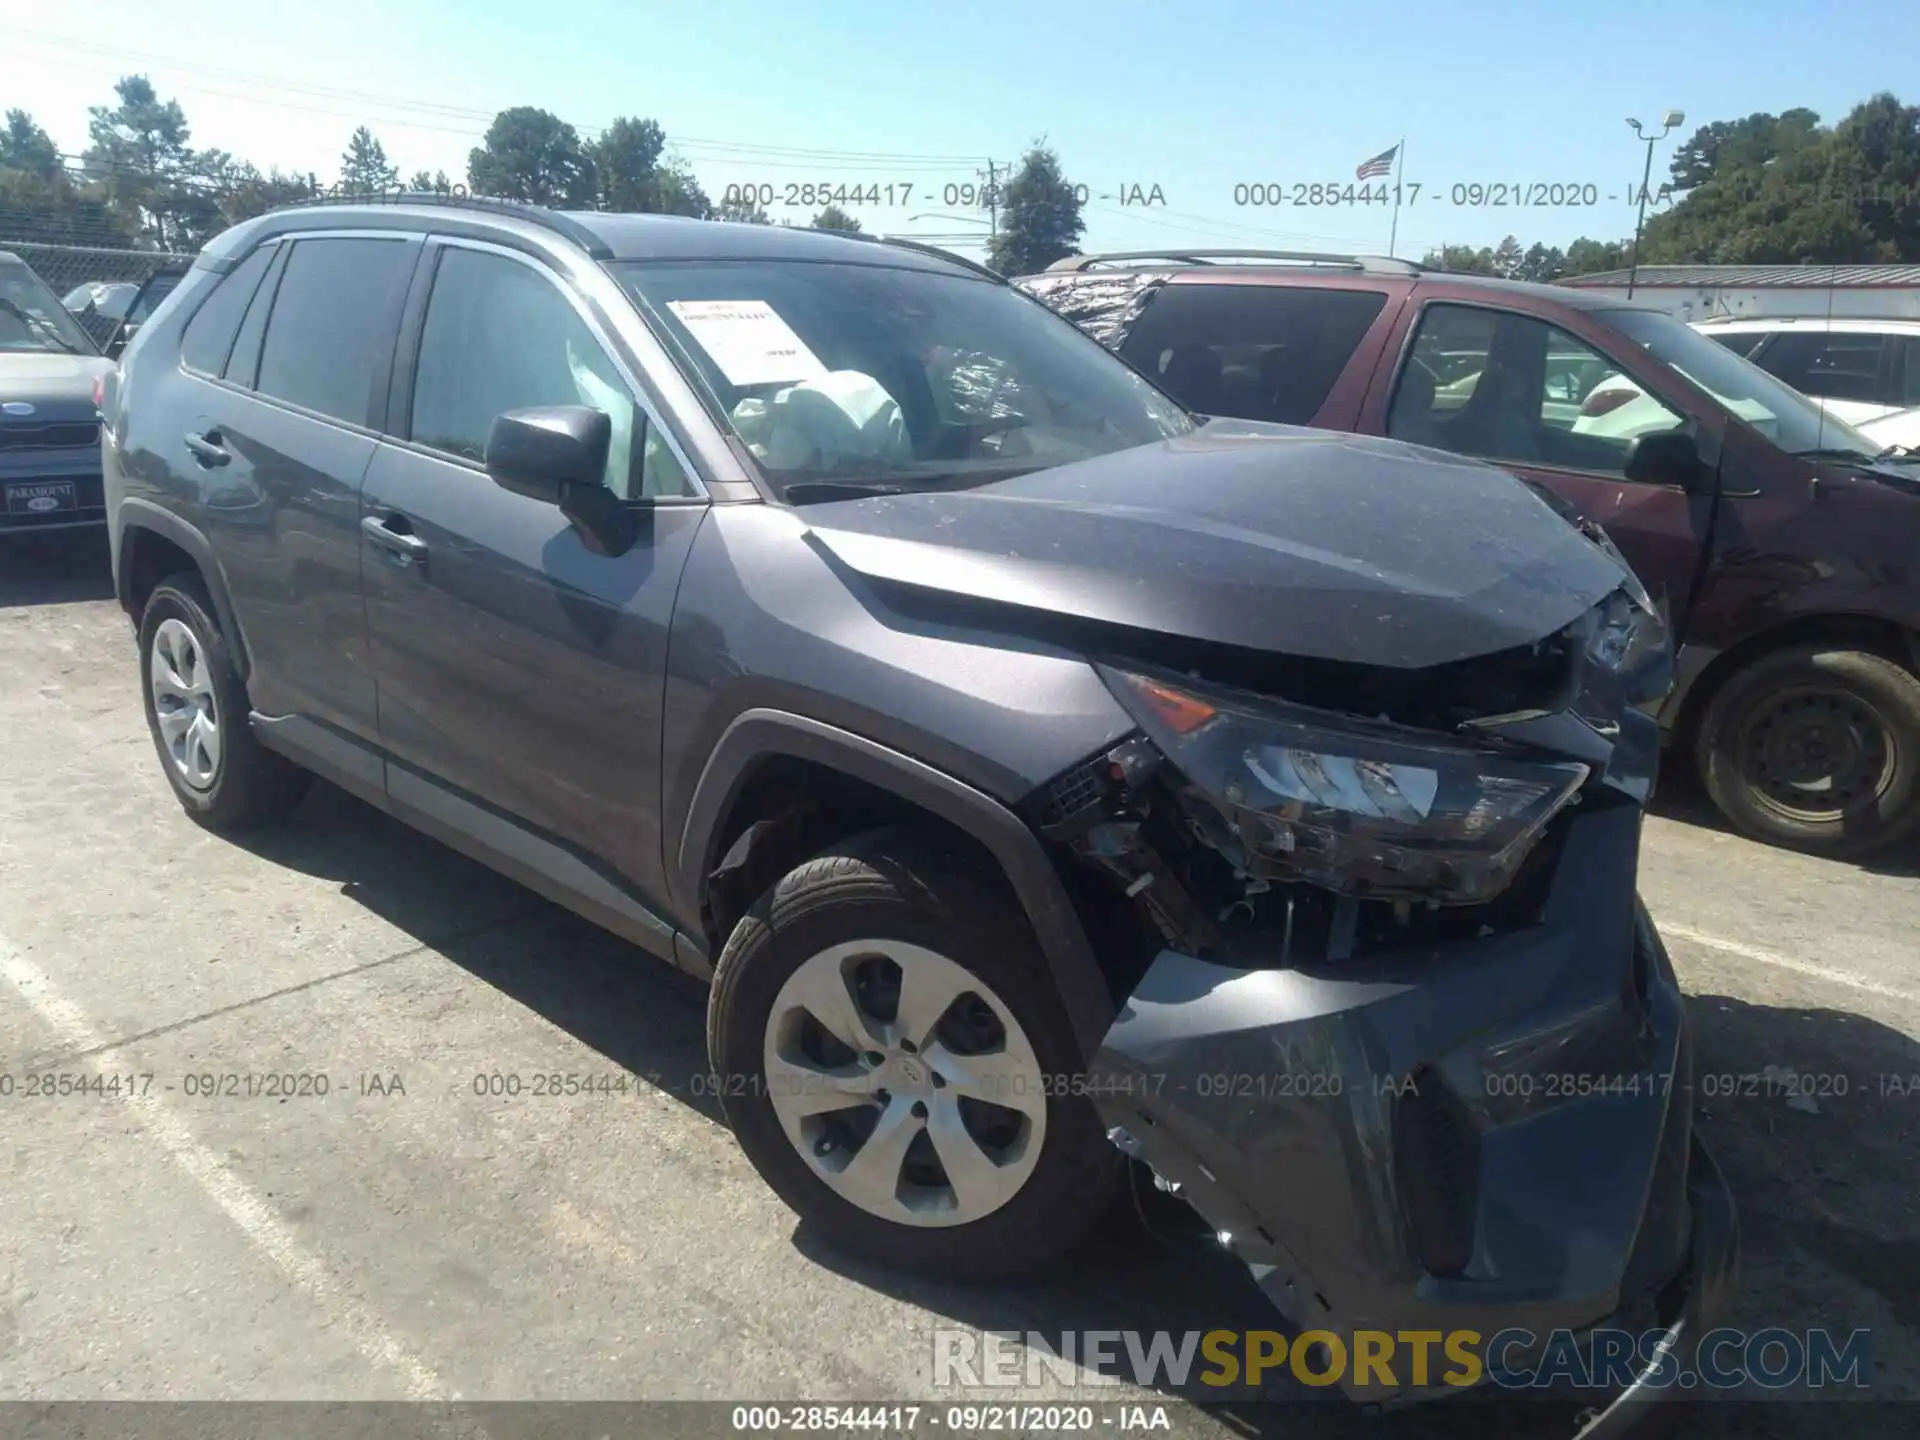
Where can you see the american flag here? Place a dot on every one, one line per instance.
(1381, 164)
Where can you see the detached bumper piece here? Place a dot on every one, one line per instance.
(1480, 1135)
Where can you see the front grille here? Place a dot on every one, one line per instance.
(1436, 1159)
(73, 435)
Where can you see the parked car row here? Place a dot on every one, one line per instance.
(1779, 542)
(1014, 751)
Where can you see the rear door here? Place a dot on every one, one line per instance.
(1263, 351)
(278, 447)
(1512, 389)
(521, 674)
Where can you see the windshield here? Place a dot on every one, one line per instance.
(32, 317)
(889, 377)
(1741, 386)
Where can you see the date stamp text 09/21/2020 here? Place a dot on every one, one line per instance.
(1258, 194)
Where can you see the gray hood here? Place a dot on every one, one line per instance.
(1297, 542)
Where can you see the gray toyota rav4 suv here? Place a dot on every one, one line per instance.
(1045, 781)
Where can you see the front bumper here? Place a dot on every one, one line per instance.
(76, 467)
(1482, 1136)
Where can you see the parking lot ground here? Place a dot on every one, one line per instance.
(405, 1235)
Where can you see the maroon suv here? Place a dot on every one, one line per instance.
(1784, 545)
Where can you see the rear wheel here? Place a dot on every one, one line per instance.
(897, 1067)
(1816, 748)
(197, 711)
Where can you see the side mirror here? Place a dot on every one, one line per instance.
(557, 454)
(1667, 457)
(542, 452)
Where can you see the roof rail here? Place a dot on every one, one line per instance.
(1365, 264)
(554, 220)
(905, 243)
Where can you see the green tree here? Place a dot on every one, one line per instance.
(680, 191)
(138, 152)
(1507, 258)
(25, 147)
(534, 156)
(1591, 257)
(1039, 216)
(248, 192)
(834, 218)
(1783, 190)
(1541, 263)
(364, 168)
(748, 212)
(435, 180)
(626, 160)
(1460, 259)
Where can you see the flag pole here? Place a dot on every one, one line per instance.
(1399, 168)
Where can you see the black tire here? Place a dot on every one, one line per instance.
(1859, 706)
(897, 884)
(251, 784)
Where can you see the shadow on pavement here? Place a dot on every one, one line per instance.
(57, 568)
(639, 1012)
(1826, 1199)
(1683, 798)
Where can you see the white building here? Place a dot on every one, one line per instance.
(1696, 292)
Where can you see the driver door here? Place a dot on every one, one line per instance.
(520, 673)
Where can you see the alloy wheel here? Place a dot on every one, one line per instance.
(184, 704)
(905, 1083)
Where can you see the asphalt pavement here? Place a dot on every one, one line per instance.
(392, 1229)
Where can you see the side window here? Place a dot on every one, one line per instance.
(243, 364)
(333, 312)
(1508, 387)
(1743, 342)
(1910, 371)
(500, 335)
(209, 335)
(1833, 367)
(1255, 352)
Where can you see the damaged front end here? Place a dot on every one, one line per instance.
(1394, 1021)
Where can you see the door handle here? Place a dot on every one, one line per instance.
(403, 545)
(207, 448)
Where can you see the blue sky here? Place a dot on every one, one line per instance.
(1195, 98)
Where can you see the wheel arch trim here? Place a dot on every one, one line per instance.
(761, 734)
(136, 514)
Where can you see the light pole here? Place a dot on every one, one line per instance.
(1669, 122)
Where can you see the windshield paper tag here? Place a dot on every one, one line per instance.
(750, 343)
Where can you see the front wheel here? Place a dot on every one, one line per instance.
(1818, 749)
(891, 1055)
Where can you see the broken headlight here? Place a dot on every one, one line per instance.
(1362, 808)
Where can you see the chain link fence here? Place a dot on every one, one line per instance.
(66, 267)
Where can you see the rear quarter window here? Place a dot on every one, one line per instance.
(336, 307)
(210, 332)
(1254, 352)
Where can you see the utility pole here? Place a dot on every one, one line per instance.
(1672, 120)
(993, 200)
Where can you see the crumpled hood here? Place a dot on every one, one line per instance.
(1300, 542)
(58, 387)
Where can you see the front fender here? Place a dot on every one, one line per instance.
(759, 734)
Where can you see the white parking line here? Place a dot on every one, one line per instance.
(1786, 962)
(257, 1219)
